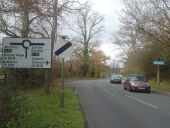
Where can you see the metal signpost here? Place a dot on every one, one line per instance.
(0, 55)
(26, 53)
(158, 63)
(63, 49)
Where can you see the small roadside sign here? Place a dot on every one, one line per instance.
(158, 62)
(63, 48)
(26, 53)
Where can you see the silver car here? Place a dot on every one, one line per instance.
(116, 79)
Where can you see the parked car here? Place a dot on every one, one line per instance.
(136, 83)
(116, 79)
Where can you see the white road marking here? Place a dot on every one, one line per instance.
(131, 97)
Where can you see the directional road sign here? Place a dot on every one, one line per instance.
(26, 53)
(63, 49)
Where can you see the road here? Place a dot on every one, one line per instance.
(108, 105)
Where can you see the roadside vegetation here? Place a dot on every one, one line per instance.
(165, 86)
(44, 111)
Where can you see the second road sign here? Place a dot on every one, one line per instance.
(63, 48)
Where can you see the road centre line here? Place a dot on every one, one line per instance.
(131, 97)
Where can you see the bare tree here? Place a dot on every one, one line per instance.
(144, 22)
(88, 27)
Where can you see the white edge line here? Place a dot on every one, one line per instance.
(153, 106)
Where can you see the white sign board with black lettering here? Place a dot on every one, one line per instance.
(26, 53)
(63, 48)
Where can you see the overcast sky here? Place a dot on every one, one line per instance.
(110, 9)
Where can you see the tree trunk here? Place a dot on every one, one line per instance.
(53, 38)
(85, 65)
(25, 24)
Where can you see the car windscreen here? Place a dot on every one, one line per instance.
(137, 78)
(116, 77)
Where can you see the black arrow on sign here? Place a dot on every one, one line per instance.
(63, 48)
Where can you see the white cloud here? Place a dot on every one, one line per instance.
(110, 50)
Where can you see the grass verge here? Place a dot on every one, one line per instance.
(162, 86)
(45, 110)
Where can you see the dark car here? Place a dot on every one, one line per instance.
(136, 83)
(116, 79)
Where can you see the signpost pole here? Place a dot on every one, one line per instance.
(158, 74)
(158, 62)
(47, 88)
(62, 84)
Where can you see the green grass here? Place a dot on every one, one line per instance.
(162, 86)
(45, 110)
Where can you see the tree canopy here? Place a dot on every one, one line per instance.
(144, 35)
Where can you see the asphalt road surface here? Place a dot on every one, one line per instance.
(108, 105)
